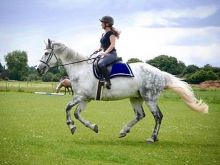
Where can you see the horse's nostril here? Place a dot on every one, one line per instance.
(39, 71)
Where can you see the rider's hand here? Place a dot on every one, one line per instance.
(102, 54)
(95, 52)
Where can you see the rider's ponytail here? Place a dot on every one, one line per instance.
(116, 32)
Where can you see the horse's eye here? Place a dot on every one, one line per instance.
(46, 53)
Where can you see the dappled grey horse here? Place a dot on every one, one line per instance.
(145, 86)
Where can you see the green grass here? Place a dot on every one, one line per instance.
(33, 131)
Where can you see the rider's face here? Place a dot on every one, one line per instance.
(103, 25)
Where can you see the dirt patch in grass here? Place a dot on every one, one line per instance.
(210, 84)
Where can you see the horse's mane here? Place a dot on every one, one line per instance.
(71, 54)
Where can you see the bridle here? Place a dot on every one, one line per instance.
(51, 54)
(49, 58)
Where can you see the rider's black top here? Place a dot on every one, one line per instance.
(105, 41)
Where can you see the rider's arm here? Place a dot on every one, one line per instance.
(98, 50)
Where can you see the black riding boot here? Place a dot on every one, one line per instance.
(106, 76)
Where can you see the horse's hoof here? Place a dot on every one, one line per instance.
(150, 141)
(73, 129)
(121, 135)
(96, 128)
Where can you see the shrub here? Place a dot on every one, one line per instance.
(202, 75)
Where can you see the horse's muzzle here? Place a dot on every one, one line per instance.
(41, 69)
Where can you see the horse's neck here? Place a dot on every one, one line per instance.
(78, 65)
(59, 85)
(77, 70)
(70, 56)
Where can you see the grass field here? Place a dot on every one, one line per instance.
(27, 86)
(33, 131)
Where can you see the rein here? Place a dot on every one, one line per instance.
(75, 62)
(52, 53)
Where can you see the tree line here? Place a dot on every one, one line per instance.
(17, 69)
(191, 73)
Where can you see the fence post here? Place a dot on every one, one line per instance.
(6, 85)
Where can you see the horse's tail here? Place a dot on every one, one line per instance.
(186, 93)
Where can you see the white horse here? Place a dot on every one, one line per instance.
(145, 86)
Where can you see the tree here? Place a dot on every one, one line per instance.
(1, 68)
(216, 70)
(180, 67)
(54, 74)
(32, 74)
(168, 64)
(3, 73)
(201, 76)
(47, 77)
(189, 70)
(133, 60)
(208, 67)
(16, 62)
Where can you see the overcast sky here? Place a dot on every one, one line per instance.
(186, 29)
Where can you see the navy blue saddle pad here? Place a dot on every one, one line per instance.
(118, 69)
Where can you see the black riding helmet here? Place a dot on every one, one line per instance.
(107, 19)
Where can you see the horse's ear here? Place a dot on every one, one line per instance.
(49, 43)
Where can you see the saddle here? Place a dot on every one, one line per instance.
(116, 69)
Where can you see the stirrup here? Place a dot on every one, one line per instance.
(108, 85)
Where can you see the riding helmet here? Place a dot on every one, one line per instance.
(107, 19)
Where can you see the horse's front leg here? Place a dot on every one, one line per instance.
(68, 90)
(79, 109)
(71, 90)
(65, 90)
(69, 106)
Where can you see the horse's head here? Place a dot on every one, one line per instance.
(49, 59)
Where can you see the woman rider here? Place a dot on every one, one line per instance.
(108, 54)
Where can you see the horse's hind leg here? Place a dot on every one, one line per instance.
(139, 112)
(87, 123)
(155, 110)
(71, 90)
